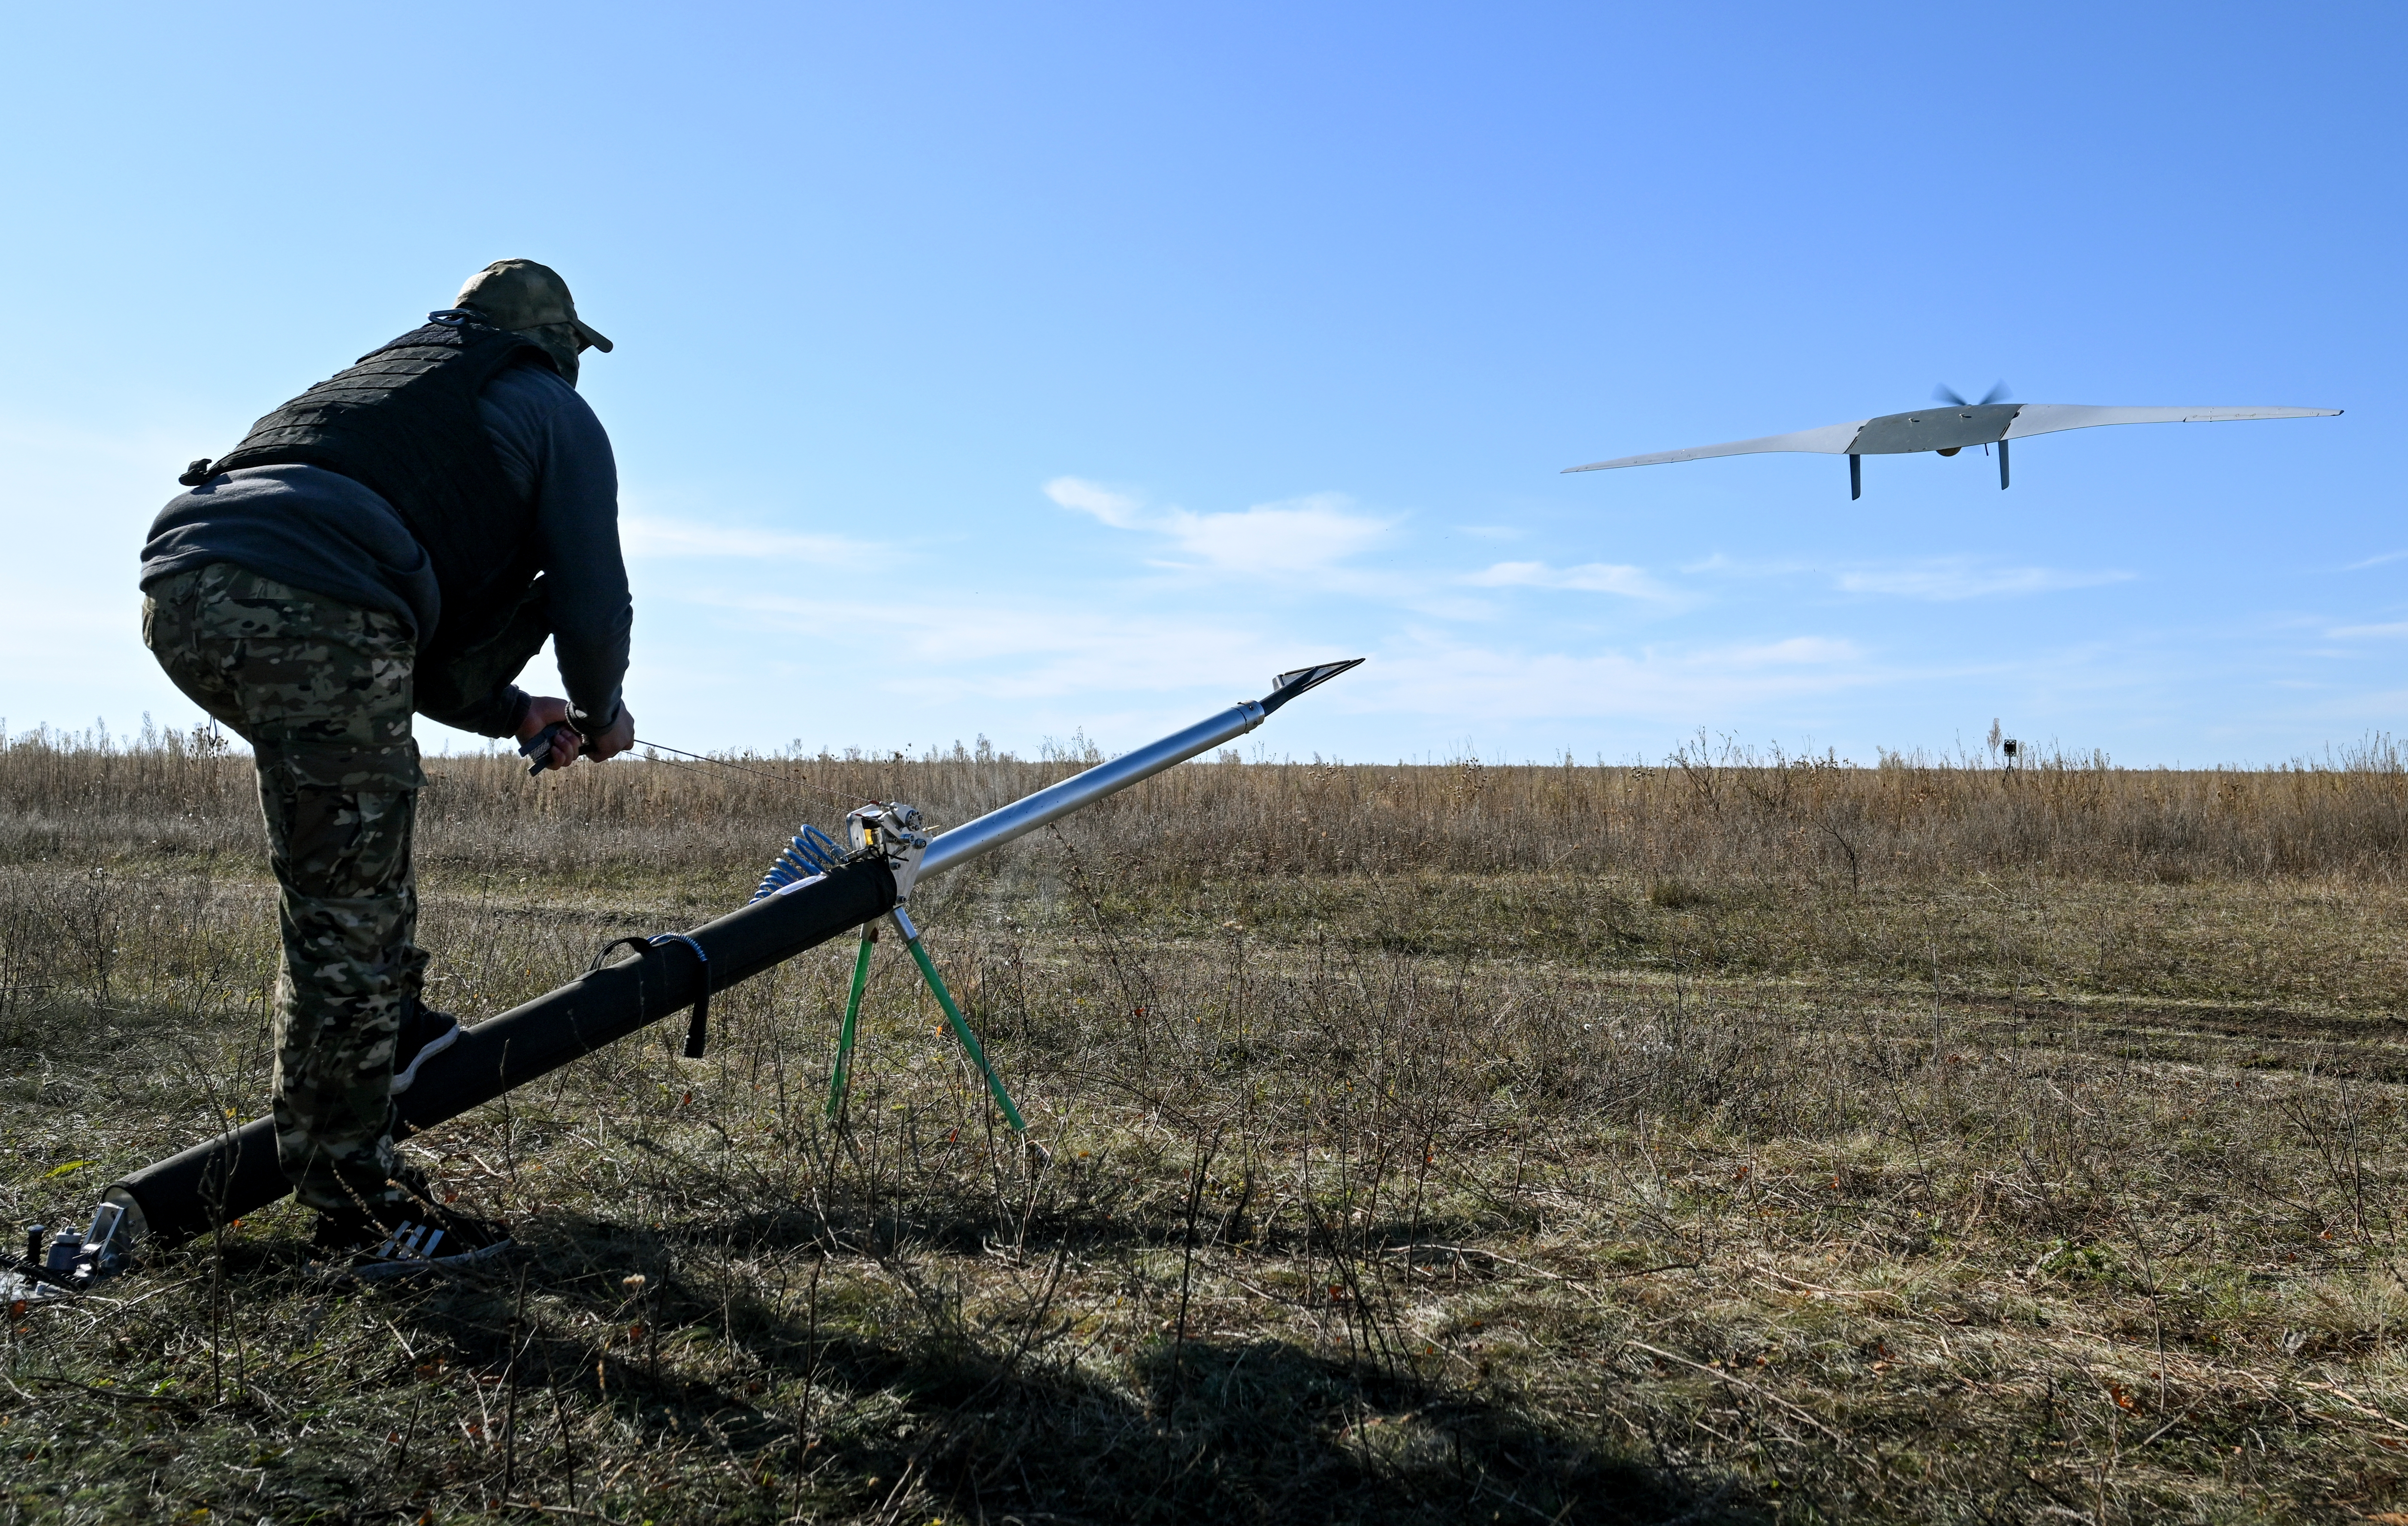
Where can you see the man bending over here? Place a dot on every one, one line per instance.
(401, 537)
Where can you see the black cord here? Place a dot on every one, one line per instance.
(539, 749)
(758, 773)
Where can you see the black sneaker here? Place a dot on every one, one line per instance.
(398, 1242)
(424, 1034)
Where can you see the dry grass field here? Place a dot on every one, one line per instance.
(1747, 1138)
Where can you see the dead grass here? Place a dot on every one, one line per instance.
(1450, 1144)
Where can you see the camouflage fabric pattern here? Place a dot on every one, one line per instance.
(321, 690)
(531, 299)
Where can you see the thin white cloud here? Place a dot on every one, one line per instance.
(2375, 561)
(1940, 579)
(1041, 654)
(1308, 534)
(1117, 510)
(1791, 653)
(1588, 578)
(1012, 651)
(1683, 685)
(2343, 633)
(1728, 566)
(649, 536)
(1948, 577)
(1296, 535)
(1320, 536)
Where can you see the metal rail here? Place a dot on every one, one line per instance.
(952, 849)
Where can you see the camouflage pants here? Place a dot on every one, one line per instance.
(322, 691)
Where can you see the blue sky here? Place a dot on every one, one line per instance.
(1022, 370)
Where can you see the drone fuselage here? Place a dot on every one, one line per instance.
(1943, 428)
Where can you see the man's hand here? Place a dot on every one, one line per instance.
(545, 709)
(617, 739)
(567, 744)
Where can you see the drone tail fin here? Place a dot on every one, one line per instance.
(1856, 477)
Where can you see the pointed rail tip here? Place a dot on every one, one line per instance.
(1297, 680)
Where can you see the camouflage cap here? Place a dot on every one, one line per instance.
(523, 295)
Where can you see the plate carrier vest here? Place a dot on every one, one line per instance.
(404, 424)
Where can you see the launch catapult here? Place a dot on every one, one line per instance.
(814, 891)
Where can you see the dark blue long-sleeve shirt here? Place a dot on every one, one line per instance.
(316, 529)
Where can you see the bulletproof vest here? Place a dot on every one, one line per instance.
(404, 423)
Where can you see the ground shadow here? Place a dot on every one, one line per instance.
(998, 1430)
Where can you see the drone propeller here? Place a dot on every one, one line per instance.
(1998, 393)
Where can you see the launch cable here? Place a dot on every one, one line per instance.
(759, 773)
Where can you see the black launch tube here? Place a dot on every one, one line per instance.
(221, 1179)
(236, 1173)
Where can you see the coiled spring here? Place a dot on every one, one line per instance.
(810, 853)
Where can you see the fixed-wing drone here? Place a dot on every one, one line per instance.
(1950, 428)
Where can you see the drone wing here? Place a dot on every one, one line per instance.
(1831, 439)
(2048, 418)
(1950, 431)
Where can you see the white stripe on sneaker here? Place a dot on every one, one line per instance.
(416, 1246)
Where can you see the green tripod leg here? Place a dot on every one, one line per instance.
(953, 1016)
(843, 1074)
